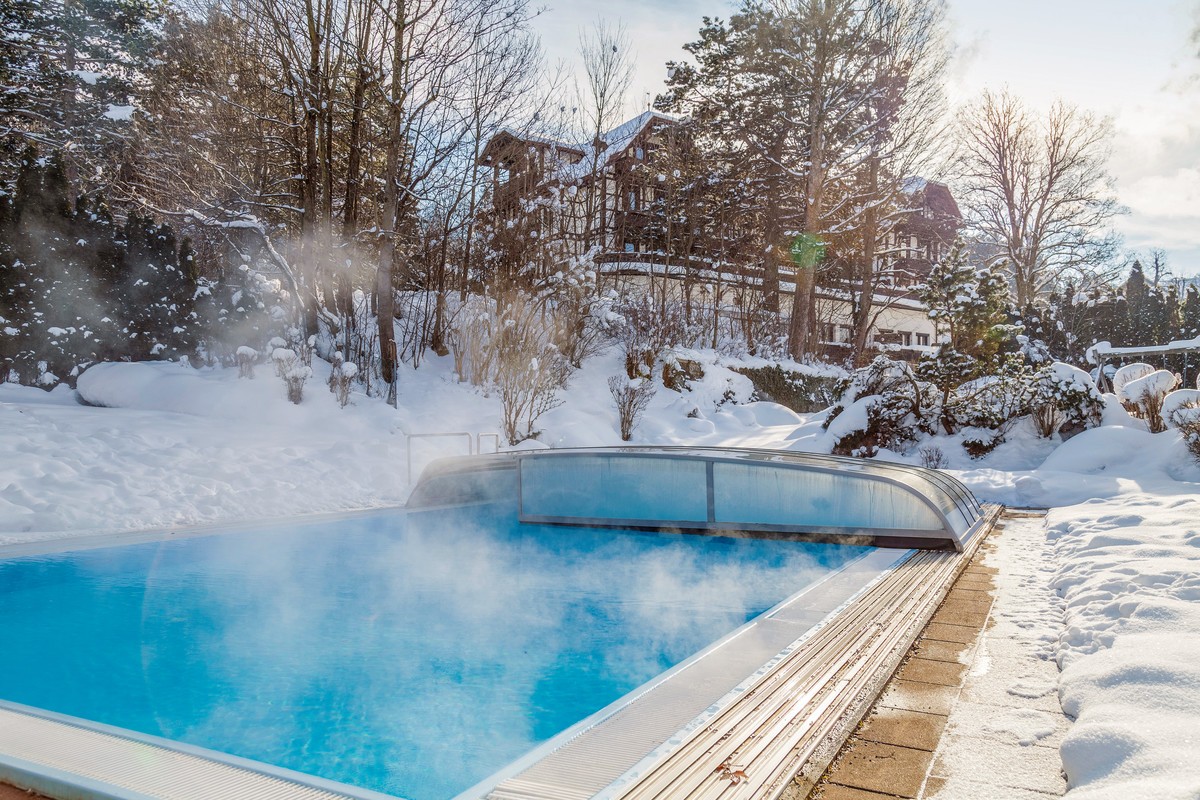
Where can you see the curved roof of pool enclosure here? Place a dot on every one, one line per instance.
(731, 491)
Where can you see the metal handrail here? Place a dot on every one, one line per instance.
(474, 445)
(479, 437)
(453, 434)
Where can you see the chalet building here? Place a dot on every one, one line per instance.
(617, 198)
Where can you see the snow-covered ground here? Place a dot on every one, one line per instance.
(172, 446)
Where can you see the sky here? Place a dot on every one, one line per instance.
(1130, 60)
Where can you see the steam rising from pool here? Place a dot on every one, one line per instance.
(412, 656)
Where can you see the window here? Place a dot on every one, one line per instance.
(906, 338)
(632, 200)
(828, 332)
(639, 154)
(923, 339)
(629, 249)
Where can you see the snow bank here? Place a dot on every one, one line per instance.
(165, 445)
(1129, 572)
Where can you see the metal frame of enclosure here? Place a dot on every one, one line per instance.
(726, 491)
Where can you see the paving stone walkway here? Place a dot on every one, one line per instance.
(972, 714)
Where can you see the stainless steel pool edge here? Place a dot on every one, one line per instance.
(119, 538)
(884, 562)
(52, 775)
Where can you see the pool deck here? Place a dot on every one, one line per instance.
(972, 714)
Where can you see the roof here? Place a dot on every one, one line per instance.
(934, 199)
(611, 143)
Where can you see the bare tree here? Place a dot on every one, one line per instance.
(430, 48)
(1038, 189)
(608, 71)
(906, 112)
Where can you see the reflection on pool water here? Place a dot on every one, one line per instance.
(413, 655)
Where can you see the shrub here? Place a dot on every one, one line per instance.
(1144, 396)
(932, 457)
(978, 442)
(881, 405)
(1127, 374)
(528, 370)
(341, 376)
(631, 397)
(800, 391)
(647, 333)
(1185, 415)
(1063, 399)
(293, 371)
(246, 357)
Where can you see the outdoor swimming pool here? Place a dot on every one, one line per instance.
(409, 654)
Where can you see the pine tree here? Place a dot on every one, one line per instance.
(70, 71)
(970, 304)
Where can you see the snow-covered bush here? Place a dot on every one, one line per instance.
(648, 331)
(1178, 401)
(1064, 400)
(803, 391)
(631, 396)
(1181, 409)
(585, 319)
(1144, 396)
(1126, 375)
(992, 403)
(246, 358)
(293, 370)
(341, 376)
(882, 405)
(470, 339)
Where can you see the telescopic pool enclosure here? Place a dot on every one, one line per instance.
(727, 491)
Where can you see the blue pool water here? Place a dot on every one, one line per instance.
(411, 655)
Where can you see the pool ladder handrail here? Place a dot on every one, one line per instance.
(474, 445)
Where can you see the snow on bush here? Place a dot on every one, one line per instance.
(882, 405)
(986, 408)
(1144, 397)
(1128, 373)
(1064, 400)
(341, 376)
(527, 368)
(1181, 410)
(797, 386)
(246, 356)
(290, 367)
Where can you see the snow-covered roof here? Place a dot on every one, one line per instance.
(609, 145)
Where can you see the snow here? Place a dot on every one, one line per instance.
(1156, 384)
(1113, 579)
(1106, 349)
(119, 113)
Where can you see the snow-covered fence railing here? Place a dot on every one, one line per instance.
(1102, 352)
